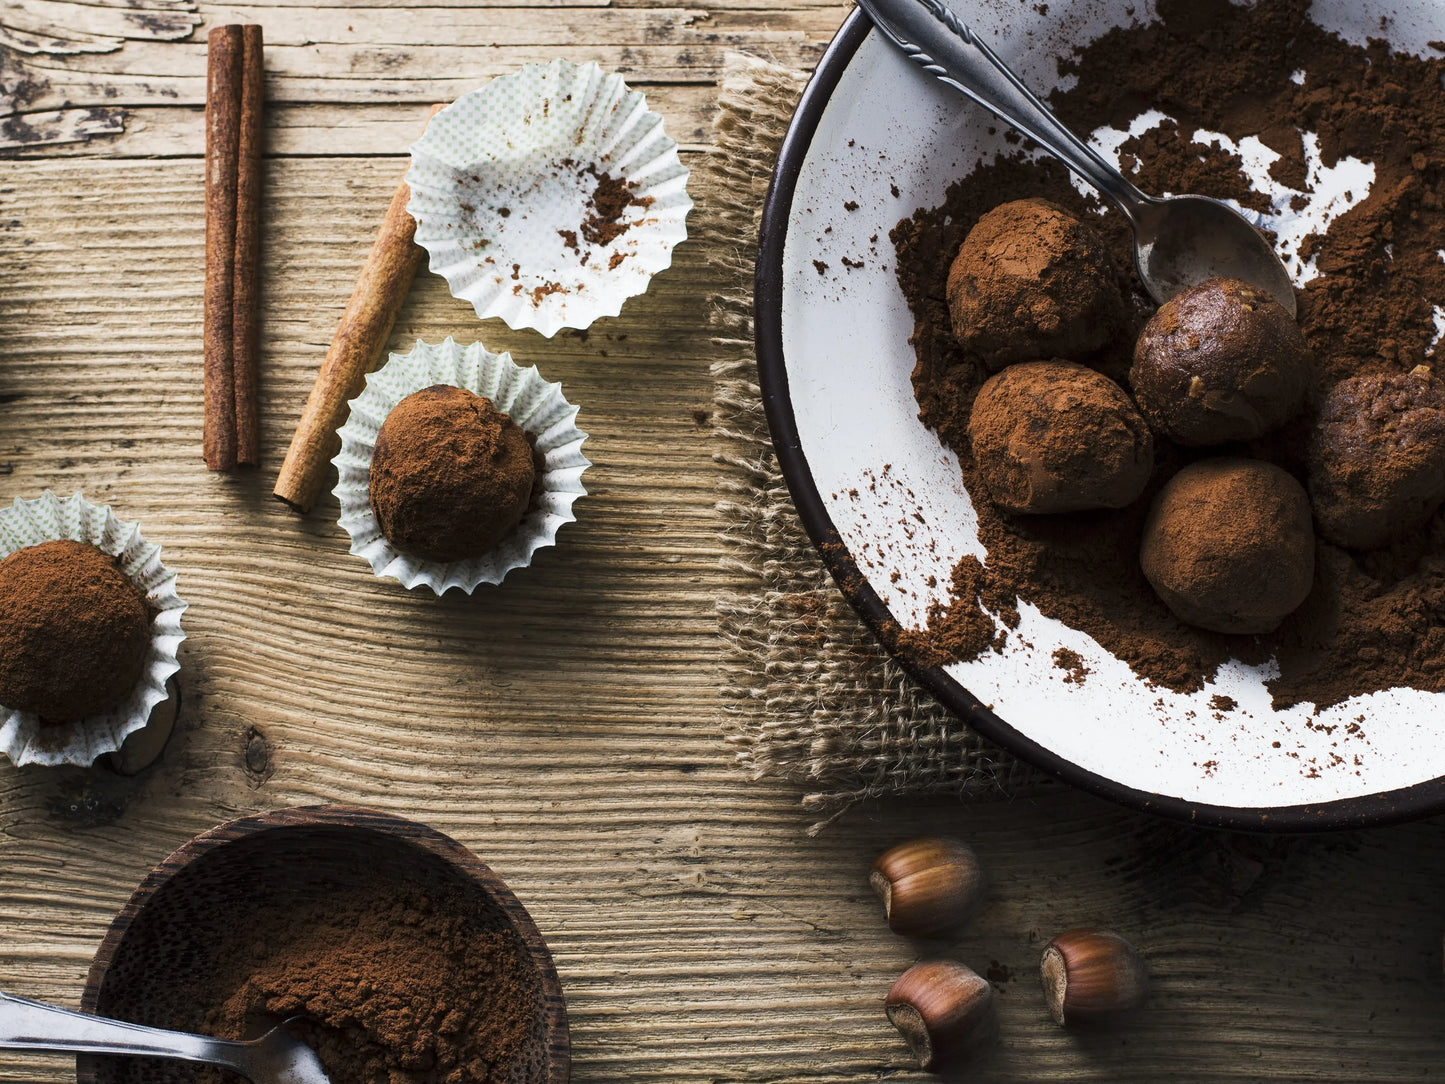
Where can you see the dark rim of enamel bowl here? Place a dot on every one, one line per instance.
(1386, 807)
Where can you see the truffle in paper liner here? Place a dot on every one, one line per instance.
(549, 196)
(48, 519)
(537, 406)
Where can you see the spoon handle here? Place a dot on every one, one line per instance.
(33, 1025)
(938, 41)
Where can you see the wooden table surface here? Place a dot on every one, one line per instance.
(566, 726)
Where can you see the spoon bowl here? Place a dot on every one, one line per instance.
(278, 1058)
(1181, 241)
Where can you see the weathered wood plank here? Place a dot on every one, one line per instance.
(59, 27)
(174, 73)
(354, 56)
(316, 130)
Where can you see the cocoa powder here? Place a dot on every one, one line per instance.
(606, 205)
(1373, 619)
(391, 989)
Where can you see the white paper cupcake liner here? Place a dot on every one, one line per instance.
(500, 190)
(537, 406)
(48, 519)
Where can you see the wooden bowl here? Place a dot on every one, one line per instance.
(179, 926)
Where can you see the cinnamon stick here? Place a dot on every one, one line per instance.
(355, 350)
(234, 95)
(223, 128)
(245, 337)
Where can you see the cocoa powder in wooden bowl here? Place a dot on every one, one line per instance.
(406, 958)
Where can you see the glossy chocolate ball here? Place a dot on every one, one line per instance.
(1377, 457)
(1222, 361)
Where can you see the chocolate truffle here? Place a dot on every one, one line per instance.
(451, 475)
(1377, 457)
(74, 631)
(1228, 545)
(1052, 436)
(1221, 361)
(1031, 281)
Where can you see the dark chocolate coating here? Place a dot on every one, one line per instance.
(1221, 361)
(1228, 545)
(1053, 436)
(74, 631)
(451, 475)
(1031, 281)
(1377, 457)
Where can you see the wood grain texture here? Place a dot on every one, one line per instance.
(52, 94)
(566, 726)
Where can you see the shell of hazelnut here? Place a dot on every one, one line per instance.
(928, 885)
(943, 1009)
(1092, 975)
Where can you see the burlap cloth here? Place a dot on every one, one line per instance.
(811, 696)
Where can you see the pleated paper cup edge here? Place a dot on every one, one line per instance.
(80, 520)
(469, 279)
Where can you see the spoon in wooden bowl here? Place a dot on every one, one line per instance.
(1179, 241)
(274, 1058)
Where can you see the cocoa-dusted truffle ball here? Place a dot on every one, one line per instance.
(1221, 361)
(1031, 281)
(1052, 436)
(1377, 457)
(74, 631)
(451, 475)
(1228, 545)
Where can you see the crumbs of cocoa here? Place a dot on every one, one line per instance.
(1073, 665)
(603, 222)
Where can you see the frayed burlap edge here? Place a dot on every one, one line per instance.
(811, 697)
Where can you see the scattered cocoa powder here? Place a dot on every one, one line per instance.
(611, 198)
(960, 630)
(1373, 620)
(74, 631)
(547, 289)
(1069, 660)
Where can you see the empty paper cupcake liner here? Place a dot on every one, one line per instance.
(49, 519)
(549, 196)
(537, 406)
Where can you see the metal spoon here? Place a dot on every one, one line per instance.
(1178, 240)
(274, 1058)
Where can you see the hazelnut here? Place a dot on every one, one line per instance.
(927, 885)
(943, 1009)
(1092, 974)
